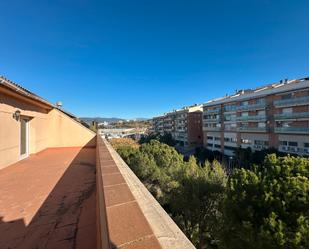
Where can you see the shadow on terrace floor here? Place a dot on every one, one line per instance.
(48, 201)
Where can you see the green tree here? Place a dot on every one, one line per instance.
(166, 138)
(243, 157)
(147, 138)
(268, 207)
(195, 204)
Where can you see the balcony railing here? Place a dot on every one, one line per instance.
(292, 101)
(292, 115)
(251, 118)
(230, 108)
(252, 129)
(211, 119)
(180, 137)
(251, 107)
(226, 128)
(292, 129)
(229, 119)
(181, 118)
(210, 111)
(211, 128)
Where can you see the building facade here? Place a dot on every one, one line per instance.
(30, 124)
(185, 125)
(272, 116)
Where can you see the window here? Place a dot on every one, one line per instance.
(245, 141)
(229, 148)
(262, 124)
(227, 117)
(244, 114)
(260, 101)
(261, 142)
(210, 138)
(244, 103)
(229, 108)
(287, 110)
(293, 144)
(244, 125)
(286, 124)
(306, 145)
(285, 143)
(261, 113)
(286, 96)
(230, 139)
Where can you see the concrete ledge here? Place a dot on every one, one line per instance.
(103, 241)
(165, 229)
(121, 224)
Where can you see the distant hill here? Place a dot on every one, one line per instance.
(101, 120)
(109, 120)
(141, 119)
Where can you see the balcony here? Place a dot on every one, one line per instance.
(230, 144)
(252, 118)
(229, 128)
(181, 118)
(293, 149)
(293, 115)
(251, 107)
(252, 129)
(181, 138)
(212, 111)
(180, 129)
(84, 197)
(230, 108)
(228, 119)
(298, 130)
(211, 120)
(291, 102)
(211, 128)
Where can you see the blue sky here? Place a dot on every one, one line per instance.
(141, 58)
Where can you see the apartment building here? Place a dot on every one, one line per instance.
(157, 125)
(185, 125)
(275, 115)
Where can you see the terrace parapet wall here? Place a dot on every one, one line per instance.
(130, 217)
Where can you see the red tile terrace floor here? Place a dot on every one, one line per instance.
(48, 201)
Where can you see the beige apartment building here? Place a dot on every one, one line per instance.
(275, 115)
(185, 125)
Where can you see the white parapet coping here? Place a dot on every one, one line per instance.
(165, 229)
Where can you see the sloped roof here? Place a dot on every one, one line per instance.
(22, 91)
(4, 82)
